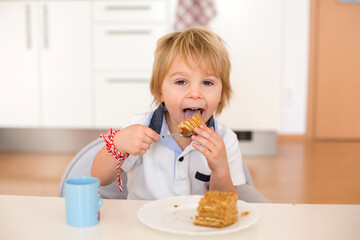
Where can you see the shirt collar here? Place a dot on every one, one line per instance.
(157, 119)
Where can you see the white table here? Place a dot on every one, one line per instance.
(25, 217)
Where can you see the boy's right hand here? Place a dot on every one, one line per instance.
(135, 139)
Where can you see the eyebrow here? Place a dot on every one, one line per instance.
(178, 73)
(185, 74)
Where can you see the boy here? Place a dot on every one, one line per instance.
(190, 75)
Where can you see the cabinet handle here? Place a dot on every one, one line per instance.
(126, 8)
(128, 32)
(28, 26)
(46, 26)
(126, 80)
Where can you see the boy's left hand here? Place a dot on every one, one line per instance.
(212, 147)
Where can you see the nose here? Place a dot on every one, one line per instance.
(194, 92)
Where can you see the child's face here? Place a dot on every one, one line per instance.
(186, 91)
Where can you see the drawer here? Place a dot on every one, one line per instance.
(154, 11)
(126, 48)
(120, 96)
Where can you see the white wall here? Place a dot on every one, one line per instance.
(296, 21)
(293, 105)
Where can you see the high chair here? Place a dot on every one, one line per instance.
(81, 166)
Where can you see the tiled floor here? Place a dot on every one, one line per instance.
(301, 172)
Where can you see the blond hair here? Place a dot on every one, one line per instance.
(198, 46)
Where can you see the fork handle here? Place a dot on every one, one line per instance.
(175, 134)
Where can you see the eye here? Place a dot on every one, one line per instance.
(180, 82)
(208, 83)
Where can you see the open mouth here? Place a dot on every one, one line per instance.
(189, 112)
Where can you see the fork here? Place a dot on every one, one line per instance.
(176, 134)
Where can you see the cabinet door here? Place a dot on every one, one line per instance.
(120, 96)
(65, 71)
(126, 48)
(19, 91)
(129, 11)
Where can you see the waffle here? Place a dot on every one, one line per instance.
(217, 209)
(187, 127)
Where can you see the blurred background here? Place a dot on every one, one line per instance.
(69, 70)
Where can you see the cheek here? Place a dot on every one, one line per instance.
(161, 95)
(165, 94)
(216, 99)
(217, 95)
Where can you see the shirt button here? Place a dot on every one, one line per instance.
(181, 159)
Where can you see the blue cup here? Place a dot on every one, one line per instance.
(82, 201)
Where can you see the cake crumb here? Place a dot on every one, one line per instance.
(244, 214)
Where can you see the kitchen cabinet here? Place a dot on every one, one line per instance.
(125, 36)
(66, 83)
(45, 64)
(87, 64)
(126, 48)
(19, 65)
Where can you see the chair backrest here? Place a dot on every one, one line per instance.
(247, 174)
(81, 166)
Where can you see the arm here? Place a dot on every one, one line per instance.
(213, 148)
(135, 140)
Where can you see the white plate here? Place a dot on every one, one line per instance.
(176, 215)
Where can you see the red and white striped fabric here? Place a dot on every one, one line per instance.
(192, 13)
(109, 143)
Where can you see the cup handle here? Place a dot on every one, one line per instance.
(100, 202)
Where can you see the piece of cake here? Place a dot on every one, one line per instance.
(187, 127)
(217, 209)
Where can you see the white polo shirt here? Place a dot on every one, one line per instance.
(165, 170)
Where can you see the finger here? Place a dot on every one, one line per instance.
(201, 149)
(204, 131)
(210, 134)
(141, 149)
(145, 146)
(211, 146)
(148, 140)
(152, 134)
(140, 152)
(207, 133)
